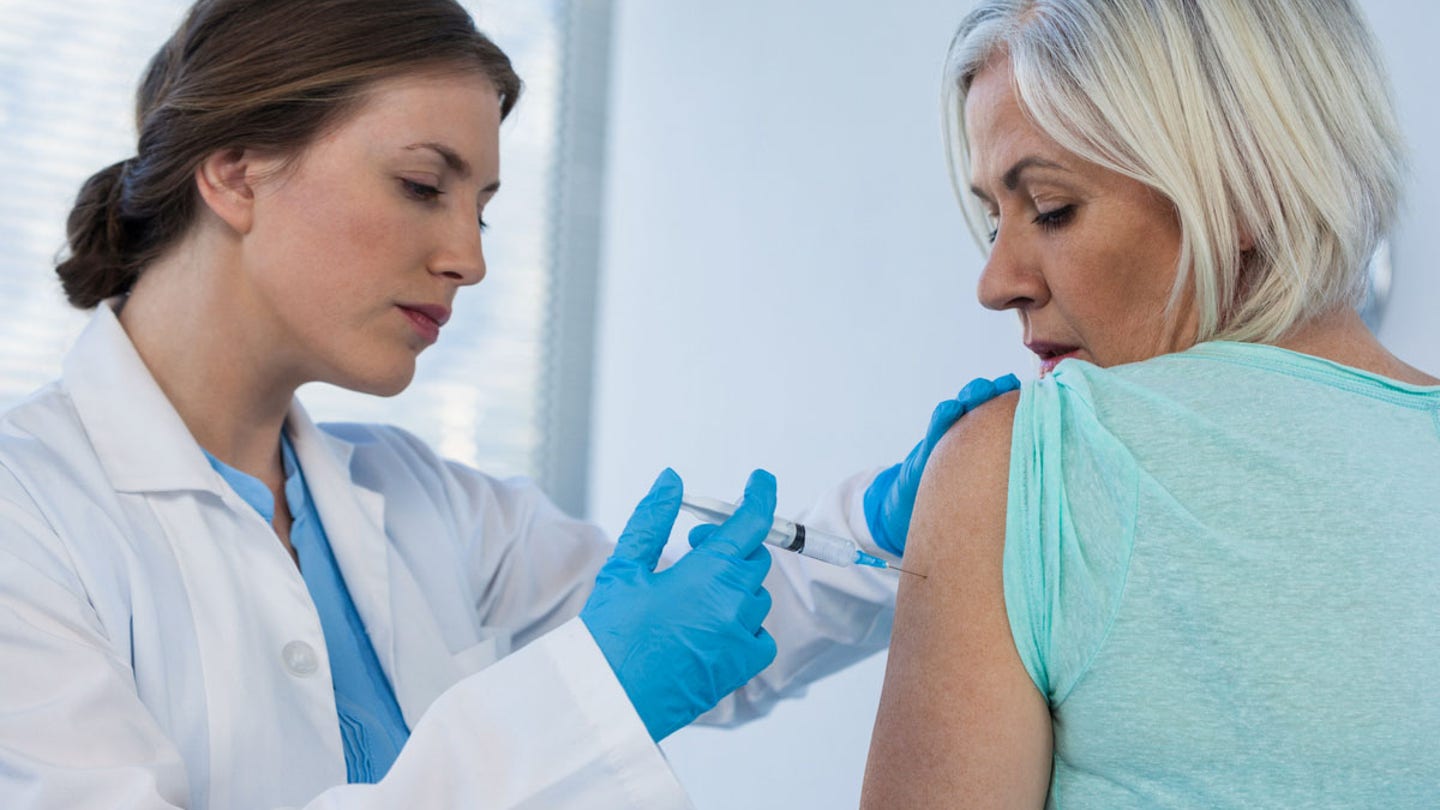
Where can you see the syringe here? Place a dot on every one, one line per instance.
(792, 536)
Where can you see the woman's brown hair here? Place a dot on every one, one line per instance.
(257, 74)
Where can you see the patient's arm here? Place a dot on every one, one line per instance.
(960, 723)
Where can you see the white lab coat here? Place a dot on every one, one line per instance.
(158, 647)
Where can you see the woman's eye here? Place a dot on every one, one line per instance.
(1050, 220)
(484, 226)
(420, 191)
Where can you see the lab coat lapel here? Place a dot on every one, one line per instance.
(397, 617)
(245, 597)
(140, 440)
(146, 447)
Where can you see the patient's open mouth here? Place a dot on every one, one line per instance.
(1051, 354)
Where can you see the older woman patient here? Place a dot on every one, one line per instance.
(1195, 564)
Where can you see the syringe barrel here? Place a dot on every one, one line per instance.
(785, 534)
(782, 535)
(808, 542)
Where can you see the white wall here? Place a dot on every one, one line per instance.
(1408, 31)
(787, 283)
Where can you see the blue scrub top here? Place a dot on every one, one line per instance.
(370, 721)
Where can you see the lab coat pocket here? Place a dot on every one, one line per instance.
(494, 645)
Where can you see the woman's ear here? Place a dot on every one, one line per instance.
(226, 181)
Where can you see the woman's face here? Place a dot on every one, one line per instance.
(1085, 255)
(356, 252)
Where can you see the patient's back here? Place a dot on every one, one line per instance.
(1222, 568)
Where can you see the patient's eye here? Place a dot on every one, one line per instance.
(1059, 218)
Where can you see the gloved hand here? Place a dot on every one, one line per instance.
(681, 639)
(890, 498)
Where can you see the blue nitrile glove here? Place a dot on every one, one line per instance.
(890, 499)
(681, 639)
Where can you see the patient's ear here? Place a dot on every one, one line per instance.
(227, 181)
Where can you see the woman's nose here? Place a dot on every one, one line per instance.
(1011, 278)
(462, 257)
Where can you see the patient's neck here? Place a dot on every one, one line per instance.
(1341, 336)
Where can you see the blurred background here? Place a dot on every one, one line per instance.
(727, 240)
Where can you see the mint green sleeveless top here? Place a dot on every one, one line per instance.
(1222, 570)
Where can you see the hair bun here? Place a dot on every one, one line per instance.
(96, 267)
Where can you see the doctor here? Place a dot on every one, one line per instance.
(207, 601)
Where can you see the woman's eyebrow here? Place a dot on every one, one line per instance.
(452, 158)
(1011, 178)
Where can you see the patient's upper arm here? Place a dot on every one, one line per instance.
(960, 722)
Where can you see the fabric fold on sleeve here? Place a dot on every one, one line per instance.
(1070, 529)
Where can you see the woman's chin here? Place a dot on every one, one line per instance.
(378, 381)
(390, 388)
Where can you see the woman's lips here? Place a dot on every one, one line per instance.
(1048, 364)
(1051, 354)
(426, 320)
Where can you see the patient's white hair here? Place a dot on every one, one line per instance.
(1265, 118)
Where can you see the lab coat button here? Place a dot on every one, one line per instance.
(300, 658)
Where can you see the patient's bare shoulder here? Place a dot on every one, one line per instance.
(960, 723)
(963, 491)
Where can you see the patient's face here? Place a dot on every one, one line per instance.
(1084, 255)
